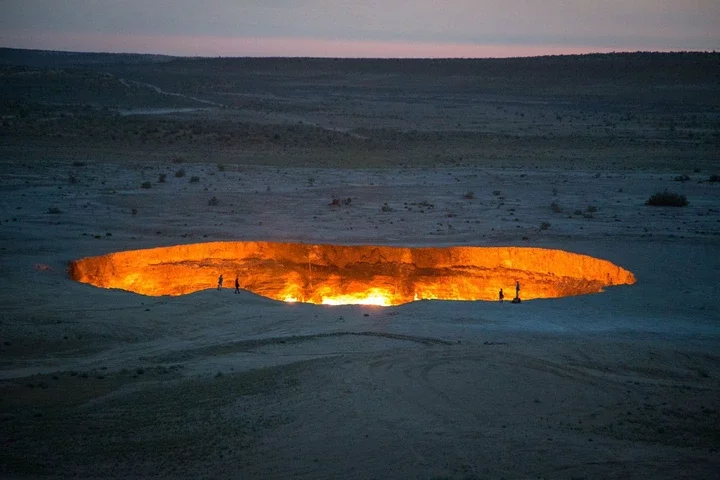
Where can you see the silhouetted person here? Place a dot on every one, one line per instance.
(220, 280)
(501, 296)
(237, 285)
(517, 289)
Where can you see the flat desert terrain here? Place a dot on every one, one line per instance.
(106, 153)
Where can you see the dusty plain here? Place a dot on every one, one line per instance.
(557, 152)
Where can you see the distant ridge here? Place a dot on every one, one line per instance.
(60, 59)
(637, 67)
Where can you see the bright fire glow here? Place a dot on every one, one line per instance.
(358, 274)
(374, 296)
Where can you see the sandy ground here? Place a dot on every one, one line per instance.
(108, 384)
(97, 383)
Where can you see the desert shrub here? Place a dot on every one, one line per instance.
(682, 178)
(78, 163)
(54, 210)
(194, 179)
(667, 199)
(72, 179)
(544, 225)
(469, 195)
(133, 211)
(714, 178)
(336, 202)
(591, 209)
(496, 192)
(213, 202)
(180, 173)
(221, 167)
(161, 178)
(555, 207)
(311, 181)
(577, 212)
(554, 192)
(177, 159)
(386, 208)
(146, 185)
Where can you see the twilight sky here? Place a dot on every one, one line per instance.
(369, 28)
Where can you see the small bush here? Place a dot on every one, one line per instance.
(714, 178)
(554, 192)
(221, 167)
(682, 178)
(544, 225)
(591, 209)
(146, 185)
(496, 192)
(180, 173)
(177, 160)
(213, 202)
(555, 207)
(194, 179)
(78, 164)
(72, 179)
(577, 212)
(469, 195)
(161, 178)
(667, 199)
(386, 208)
(311, 181)
(54, 210)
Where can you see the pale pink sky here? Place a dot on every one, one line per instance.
(285, 47)
(371, 28)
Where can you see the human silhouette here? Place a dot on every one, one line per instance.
(501, 296)
(220, 280)
(517, 289)
(237, 285)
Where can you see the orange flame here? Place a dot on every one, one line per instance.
(362, 274)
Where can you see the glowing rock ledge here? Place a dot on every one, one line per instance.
(360, 274)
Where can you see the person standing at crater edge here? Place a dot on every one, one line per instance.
(501, 296)
(237, 285)
(220, 280)
(517, 289)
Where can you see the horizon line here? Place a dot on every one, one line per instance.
(321, 57)
(282, 47)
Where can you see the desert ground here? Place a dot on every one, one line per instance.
(103, 153)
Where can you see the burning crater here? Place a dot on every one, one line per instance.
(367, 274)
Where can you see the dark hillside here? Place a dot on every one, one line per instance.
(55, 59)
